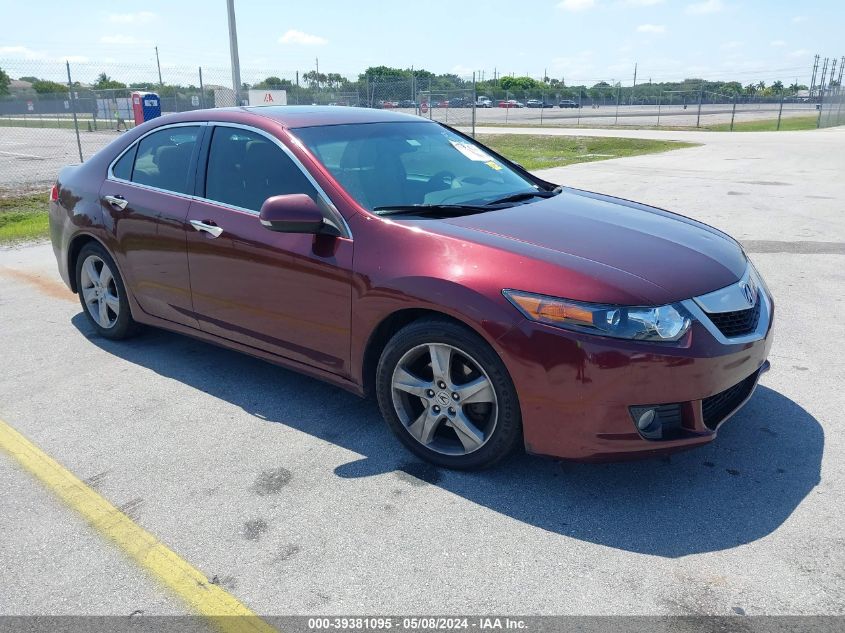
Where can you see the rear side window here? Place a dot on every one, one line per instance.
(123, 168)
(245, 168)
(163, 159)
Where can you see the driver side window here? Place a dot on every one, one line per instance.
(245, 168)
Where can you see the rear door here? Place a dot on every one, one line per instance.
(145, 201)
(285, 293)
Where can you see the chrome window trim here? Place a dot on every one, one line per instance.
(696, 310)
(110, 174)
(335, 214)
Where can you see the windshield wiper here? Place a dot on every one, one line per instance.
(523, 195)
(421, 209)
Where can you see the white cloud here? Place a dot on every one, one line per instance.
(651, 28)
(576, 5)
(21, 52)
(708, 6)
(799, 18)
(777, 43)
(461, 71)
(641, 3)
(801, 52)
(303, 39)
(141, 17)
(123, 40)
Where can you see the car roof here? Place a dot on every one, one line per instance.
(293, 116)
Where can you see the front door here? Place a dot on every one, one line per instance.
(288, 294)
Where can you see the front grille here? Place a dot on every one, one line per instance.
(737, 323)
(715, 408)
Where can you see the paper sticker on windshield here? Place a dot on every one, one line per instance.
(493, 165)
(471, 151)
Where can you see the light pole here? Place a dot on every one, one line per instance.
(233, 51)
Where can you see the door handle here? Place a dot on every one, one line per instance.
(211, 229)
(119, 202)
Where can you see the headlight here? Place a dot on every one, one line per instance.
(662, 323)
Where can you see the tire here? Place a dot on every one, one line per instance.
(98, 283)
(465, 417)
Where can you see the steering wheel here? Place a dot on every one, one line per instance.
(444, 177)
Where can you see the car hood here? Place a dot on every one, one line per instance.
(668, 256)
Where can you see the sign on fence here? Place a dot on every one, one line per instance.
(268, 97)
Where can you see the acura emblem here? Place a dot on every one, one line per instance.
(749, 292)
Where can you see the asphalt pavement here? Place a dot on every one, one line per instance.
(293, 496)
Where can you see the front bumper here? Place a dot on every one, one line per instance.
(577, 391)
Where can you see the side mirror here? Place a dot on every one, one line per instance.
(294, 213)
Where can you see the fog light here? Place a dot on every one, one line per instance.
(645, 419)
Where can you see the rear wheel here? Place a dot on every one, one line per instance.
(447, 396)
(102, 293)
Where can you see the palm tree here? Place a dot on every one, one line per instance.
(761, 85)
(777, 86)
(751, 89)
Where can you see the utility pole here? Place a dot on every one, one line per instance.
(317, 61)
(233, 51)
(634, 87)
(158, 64)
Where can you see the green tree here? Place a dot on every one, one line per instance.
(28, 78)
(777, 86)
(4, 82)
(519, 83)
(104, 82)
(43, 86)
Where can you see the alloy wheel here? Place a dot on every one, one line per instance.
(99, 291)
(444, 399)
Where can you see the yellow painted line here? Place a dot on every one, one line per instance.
(221, 608)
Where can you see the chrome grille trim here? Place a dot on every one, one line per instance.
(730, 299)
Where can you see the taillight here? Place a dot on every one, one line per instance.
(54, 193)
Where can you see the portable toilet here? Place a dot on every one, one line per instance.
(145, 106)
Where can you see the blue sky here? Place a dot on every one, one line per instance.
(582, 41)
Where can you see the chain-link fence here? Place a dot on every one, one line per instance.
(59, 113)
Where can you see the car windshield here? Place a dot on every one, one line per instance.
(402, 164)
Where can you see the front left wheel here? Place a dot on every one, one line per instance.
(102, 293)
(447, 396)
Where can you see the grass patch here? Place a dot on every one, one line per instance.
(769, 125)
(23, 218)
(542, 152)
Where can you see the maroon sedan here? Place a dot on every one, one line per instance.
(389, 254)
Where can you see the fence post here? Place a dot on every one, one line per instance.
(578, 119)
(700, 96)
(733, 112)
(474, 99)
(821, 105)
(780, 111)
(202, 91)
(73, 109)
(618, 87)
(659, 99)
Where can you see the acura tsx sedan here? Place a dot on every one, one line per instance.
(484, 307)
